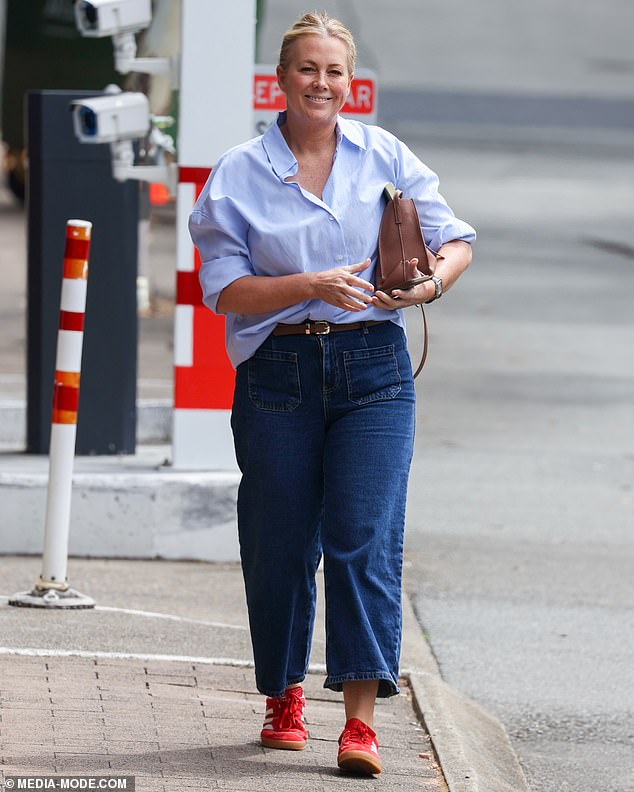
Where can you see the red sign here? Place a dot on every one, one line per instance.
(267, 95)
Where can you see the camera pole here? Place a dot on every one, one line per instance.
(51, 589)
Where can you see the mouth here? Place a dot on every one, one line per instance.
(318, 99)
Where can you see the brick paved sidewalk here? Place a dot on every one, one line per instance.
(181, 726)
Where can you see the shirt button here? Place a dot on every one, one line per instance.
(339, 258)
(330, 217)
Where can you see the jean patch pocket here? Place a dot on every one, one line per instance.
(372, 374)
(273, 378)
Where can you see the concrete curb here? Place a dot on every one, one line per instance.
(472, 747)
(154, 422)
(125, 507)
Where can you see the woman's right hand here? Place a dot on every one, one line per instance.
(342, 288)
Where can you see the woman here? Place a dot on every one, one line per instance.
(323, 414)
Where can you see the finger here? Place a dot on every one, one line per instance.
(383, 300)
(383, 306)
(353, 306)
(359, 266)
(353, 295)
(385, 296)
(361, 284)
(358, 294)
(405, 297)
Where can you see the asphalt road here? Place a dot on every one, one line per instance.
(522, 497)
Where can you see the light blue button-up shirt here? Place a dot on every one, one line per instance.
(249, 221)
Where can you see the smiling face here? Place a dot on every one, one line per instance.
(317, 80)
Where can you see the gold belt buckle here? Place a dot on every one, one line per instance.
(320, 327)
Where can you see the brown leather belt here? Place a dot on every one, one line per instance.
(320, 327)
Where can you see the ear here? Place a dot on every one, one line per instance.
(281, 78)
(351, 78)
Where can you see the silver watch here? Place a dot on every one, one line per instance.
(438, 286)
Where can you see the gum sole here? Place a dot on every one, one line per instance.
(284, 745)
(359, 762)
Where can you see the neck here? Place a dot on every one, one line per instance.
(308, 141)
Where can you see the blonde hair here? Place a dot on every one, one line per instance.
(320, 24)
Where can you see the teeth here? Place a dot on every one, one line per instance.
(318, 98)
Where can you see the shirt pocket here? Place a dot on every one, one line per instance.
(273, 380)
(372, 374)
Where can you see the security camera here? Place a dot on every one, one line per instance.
(118, 118)
(99, 18)
(121, 19)
(108, 119)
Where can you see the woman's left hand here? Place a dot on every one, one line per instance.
(402, 298)
(455, 257)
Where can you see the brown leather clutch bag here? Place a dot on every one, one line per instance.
(400, 241)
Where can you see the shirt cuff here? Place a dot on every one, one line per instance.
(217, 274)
(457, 229)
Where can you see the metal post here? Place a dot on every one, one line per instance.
(69, 179)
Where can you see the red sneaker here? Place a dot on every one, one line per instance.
(284, 721)
(358, 749)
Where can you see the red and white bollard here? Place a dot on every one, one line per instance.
(52, 589)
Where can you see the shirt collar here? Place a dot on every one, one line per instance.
(282, 158)
(351, 131)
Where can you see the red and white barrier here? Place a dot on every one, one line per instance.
(214, 114)
(51, 589)
(203, 376)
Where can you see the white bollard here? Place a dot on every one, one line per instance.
(52, 589)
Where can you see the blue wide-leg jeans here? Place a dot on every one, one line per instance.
(324, 428)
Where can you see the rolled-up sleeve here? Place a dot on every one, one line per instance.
(220, 233)
(438, 222)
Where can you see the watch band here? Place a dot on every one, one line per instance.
(438, 289)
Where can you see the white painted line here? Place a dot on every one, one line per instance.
(315, 668)
(33, 652)
(155, 615)
(185, 619)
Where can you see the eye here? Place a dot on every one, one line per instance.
(307, 69)
(336, 72)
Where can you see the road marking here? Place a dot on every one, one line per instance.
(185, 619)
(314, 668)
(155, 615)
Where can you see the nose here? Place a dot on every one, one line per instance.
(320, 80)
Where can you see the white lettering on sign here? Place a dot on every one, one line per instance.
(361, 99)
(267, 94)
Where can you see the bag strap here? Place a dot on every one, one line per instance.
(425, 343)
(392, 194)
